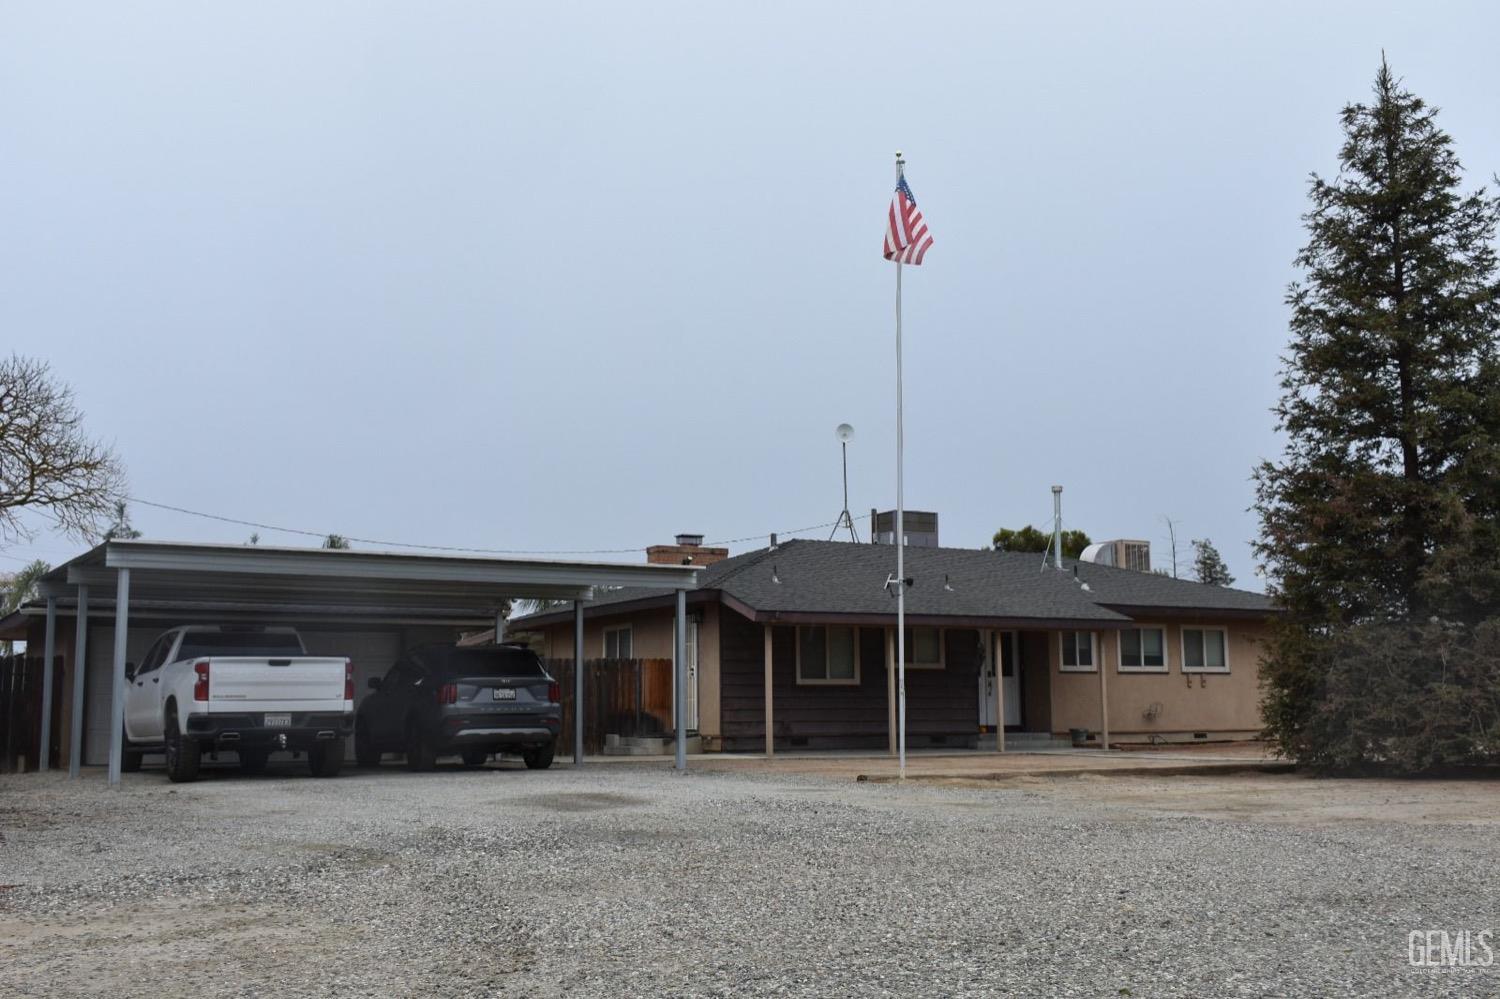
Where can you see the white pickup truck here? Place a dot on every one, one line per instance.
(253, 690)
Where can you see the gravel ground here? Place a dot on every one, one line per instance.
(627, 880)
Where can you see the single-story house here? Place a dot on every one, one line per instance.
(801, 635)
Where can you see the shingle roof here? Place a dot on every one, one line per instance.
(840, 578)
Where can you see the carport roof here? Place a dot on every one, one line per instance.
(282, 580)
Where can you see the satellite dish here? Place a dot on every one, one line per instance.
(844, 432)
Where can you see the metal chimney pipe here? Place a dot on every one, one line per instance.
(1057, 526)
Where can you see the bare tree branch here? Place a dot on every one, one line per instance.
(48, 465)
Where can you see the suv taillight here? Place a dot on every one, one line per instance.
(554, 692)
(448, 693)
(348, 680)
(200, 682)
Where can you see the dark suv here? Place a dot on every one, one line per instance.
(472, 701)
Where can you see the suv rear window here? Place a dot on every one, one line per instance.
(271, 645)
(484, 662)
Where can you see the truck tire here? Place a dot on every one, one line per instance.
(253, 761)
(366, 753)
(540, 757)
(130, 759)
(420, 754)
(183, 754)
(474, 756)
(326, 758)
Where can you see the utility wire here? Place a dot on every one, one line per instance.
(444, 548)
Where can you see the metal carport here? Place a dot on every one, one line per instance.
(291, 585)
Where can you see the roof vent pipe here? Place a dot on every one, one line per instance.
(773, 542)
(1057, 526)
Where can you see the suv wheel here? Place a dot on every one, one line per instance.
(474, 756)
(253, 761)
(540, 757)
(420, 754)
(183, 754)
(325, 759)
(366, 753)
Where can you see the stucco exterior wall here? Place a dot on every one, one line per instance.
(1170, 704)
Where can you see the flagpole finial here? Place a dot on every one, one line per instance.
(900, 159)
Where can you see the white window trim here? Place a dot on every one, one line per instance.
(604, 640)
(1166, 656)
(1093, 642)
(1182, 647)
(942, 662)
(825, 680)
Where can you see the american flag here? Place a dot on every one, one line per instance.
(906, 237)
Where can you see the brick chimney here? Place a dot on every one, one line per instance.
(688, 550)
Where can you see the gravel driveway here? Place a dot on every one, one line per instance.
(632, 880)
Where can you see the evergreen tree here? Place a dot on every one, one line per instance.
(1384, 509)
(337, 542)
(1030, 539)
(1208, 564)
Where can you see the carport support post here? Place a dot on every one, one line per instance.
(80, 674)
(679, 678)
(117, 673)
(1103, 702)
(770, 701)
(49, 651)
(578, 683)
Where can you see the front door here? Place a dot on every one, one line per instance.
(987, 677)
(1010, 675)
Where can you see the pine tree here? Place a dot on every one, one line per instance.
(1208, 564)
(1384, 510)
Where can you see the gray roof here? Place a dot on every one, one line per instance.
(804, 577)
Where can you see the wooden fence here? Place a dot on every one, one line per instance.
(20, 712)
(625, 697)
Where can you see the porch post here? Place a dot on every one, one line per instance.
(578, 683)
(679, 679)
(890, 690)
(1103, 699)
(80, 679)
(49, 651)
(997, 640)
(770, 700)
(117, 696)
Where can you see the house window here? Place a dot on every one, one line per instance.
(617, 643)
(828, 655)
(924, 648)
(1077, 651)
(1143, 650)
(1205, 650)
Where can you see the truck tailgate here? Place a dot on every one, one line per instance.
(304, 683)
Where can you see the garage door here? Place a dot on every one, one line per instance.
(101, 653)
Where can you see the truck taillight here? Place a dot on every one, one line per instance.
(348, 680)
(554, 692)
(200, 680)
(448, 693)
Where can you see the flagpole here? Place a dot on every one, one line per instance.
(900, 530)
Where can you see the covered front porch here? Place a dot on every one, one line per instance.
(826, 683)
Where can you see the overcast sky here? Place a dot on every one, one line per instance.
(575, 277)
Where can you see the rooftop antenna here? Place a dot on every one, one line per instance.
(845, 434)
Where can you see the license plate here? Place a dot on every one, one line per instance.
(503, 693)
(278, 721)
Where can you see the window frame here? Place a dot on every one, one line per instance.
(1063, 667)
(942, 639)
(1166, 655)
(826, 680)
(616, 629)
(1182, 643)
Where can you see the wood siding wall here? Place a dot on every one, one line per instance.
(941, 705)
